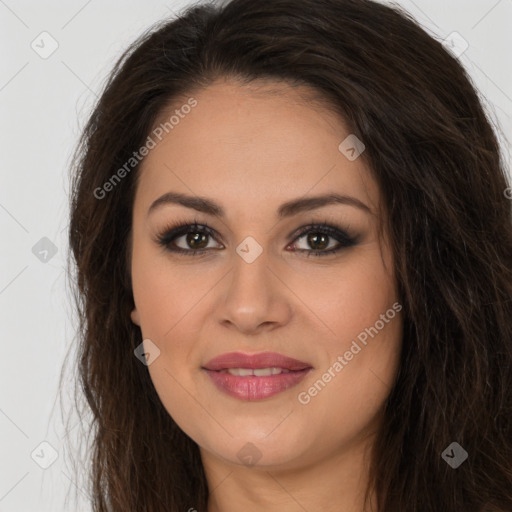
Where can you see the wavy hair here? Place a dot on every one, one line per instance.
(435, 156)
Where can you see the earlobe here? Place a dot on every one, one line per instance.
(135, 317)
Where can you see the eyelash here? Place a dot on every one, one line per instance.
(173, 231)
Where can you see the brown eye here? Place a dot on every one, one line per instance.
(190, 239)
(186, 238)
(318, 241)
(196, 240)
(323, 239)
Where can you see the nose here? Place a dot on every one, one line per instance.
(254, 298)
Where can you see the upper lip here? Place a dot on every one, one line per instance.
(253, 361)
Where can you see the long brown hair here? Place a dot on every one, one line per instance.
(437, 161)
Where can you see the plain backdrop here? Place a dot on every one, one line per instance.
(44, 102)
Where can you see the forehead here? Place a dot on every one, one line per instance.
(242, 143)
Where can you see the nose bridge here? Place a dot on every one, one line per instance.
(251, 276)
(254, 295)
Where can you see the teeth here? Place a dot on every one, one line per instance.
(258, 372)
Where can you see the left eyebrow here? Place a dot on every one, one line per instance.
(210, 207)
(311, 203)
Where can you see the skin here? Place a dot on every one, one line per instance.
(238, 145)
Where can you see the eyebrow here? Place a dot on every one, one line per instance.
(209, 207)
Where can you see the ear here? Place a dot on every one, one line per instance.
(135, 317)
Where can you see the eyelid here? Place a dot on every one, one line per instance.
(325, 225)
(179, 228)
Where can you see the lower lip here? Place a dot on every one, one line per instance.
(256, 388)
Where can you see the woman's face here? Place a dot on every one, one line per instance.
(263, 282)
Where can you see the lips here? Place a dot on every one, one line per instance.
(255, 361)
(256, 376)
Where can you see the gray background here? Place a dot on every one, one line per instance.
(43, 104)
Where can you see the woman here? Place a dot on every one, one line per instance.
(294, 251)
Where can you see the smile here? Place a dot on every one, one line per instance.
(255, 376)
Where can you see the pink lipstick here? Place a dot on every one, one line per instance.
(255, 376)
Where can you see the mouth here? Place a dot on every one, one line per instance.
(256, 376)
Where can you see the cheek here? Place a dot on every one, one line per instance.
(362, 358)
(348, 298)
(357, 310)
(170, 300)
(164, 297)
(163, 293)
